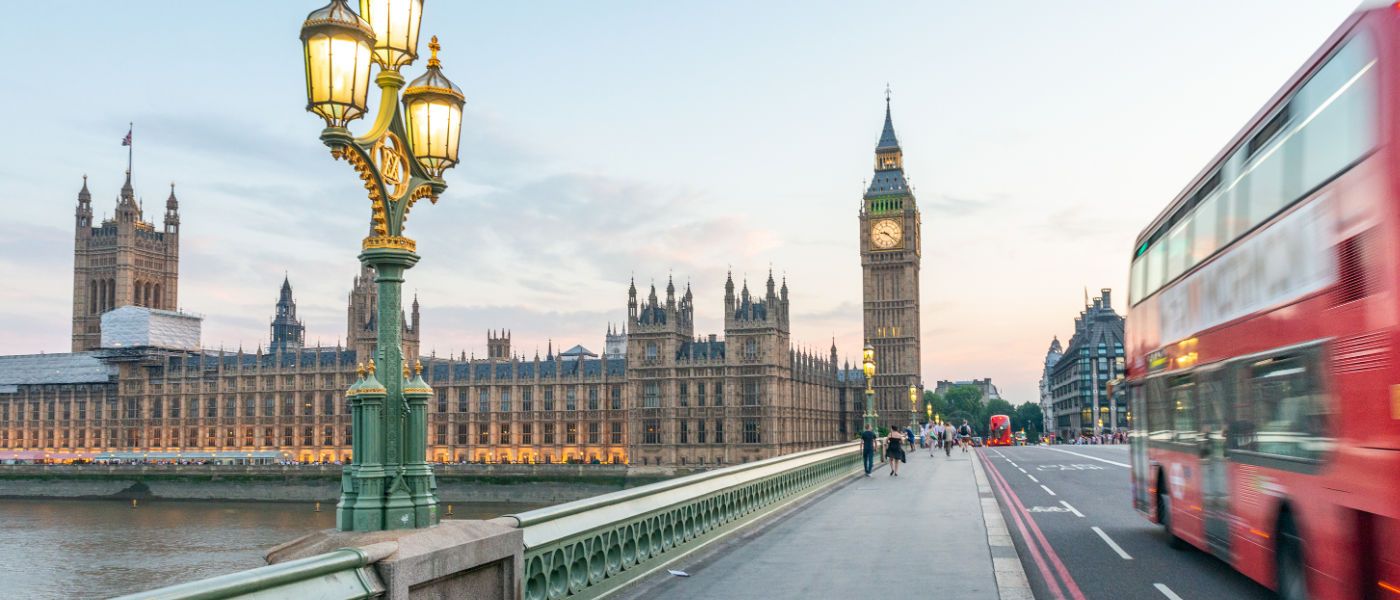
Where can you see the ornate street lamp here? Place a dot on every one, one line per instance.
(400, 160)
(913, 412)
(868, 358)
(336, 44)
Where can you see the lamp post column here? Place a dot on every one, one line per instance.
(389, 265)
(416, 470)
(868, 357)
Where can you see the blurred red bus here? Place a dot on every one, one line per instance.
(1264, 318)
(999, 431)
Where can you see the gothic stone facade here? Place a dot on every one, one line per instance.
(890, 258)
(124, 261)
(658, 395)
(673, 399)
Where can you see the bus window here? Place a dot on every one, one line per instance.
(1159, 415)
(1139, 278)
(1285, 413)
(1183, 407)
(1156, 272)
(1178, 243)
(1212, 404)
(1338, 107)
(1205, 230)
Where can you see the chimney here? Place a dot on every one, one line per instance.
(1106, 294)
(713, 338)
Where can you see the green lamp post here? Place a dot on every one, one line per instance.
(868, 358)
(400, 160)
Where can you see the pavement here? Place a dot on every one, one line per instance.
(1071, 515)
(935, 530)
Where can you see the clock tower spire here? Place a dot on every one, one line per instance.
(890, 258)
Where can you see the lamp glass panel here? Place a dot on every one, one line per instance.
(395, 24)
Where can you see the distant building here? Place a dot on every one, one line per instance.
(615, 342)
(1093, 357)
(1047, 396)
(985, 386)
(140, 385)
(288, 333)
(124, 261)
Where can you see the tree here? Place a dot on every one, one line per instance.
(937, 402)
(1030, 418)
(964, 402)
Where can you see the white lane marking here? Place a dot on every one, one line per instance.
(1012, 463)
(1022, 470)
(1114, 545)
(1071, 509)
(1047, 490)
(1166, 591)
(1103, 460)
(1032, 478)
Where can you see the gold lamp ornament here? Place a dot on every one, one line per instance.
(434, 108)
(395, 24)
(336, 43)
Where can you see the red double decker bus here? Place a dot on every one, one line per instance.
(999, 431)
(1261, 340)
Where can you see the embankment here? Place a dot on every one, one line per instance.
(532, 484)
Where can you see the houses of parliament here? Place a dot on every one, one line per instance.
(135, 387)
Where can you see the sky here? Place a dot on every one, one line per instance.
(609, 140)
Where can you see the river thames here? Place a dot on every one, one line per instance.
(104, 548)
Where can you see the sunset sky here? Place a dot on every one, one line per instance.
(607, 140)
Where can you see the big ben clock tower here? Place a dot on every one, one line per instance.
(889, 261)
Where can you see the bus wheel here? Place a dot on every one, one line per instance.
(1289, 572)
(1164, 516)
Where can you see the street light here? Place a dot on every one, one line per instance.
(868, 357)
(400, 160)
(336, 43)
(913, 412)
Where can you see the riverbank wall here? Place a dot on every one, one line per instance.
(530, 484)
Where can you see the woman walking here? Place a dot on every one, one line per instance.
(894, 452)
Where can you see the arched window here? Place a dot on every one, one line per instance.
(92, 297)
(156, 298)
(111, 294)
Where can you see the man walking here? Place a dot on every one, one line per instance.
(949, 434)
(936, 438)
(867, 447)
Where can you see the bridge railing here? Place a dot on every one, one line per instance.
(580, 549)
(590, 547)
(343, 574)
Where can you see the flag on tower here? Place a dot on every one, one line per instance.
(126, 141)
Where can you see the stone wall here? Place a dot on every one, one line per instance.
(539, 484)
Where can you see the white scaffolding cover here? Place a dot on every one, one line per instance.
(134, 327)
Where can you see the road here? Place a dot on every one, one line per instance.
(1085, 539)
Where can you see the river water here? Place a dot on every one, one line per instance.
(102, 548)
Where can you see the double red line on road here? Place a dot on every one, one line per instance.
(1039, 547)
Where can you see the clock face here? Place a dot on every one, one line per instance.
(886, 234)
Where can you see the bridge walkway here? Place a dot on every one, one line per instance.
(922, 532)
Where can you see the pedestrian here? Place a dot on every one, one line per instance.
(867, 448)
(949, 434)
(965, 435)
(909, 433)
(894, 452)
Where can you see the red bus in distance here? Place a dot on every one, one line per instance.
(1262, 331)
(999, 431)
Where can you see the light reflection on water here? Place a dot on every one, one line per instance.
(103, 548)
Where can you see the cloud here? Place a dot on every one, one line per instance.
(959, 206)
